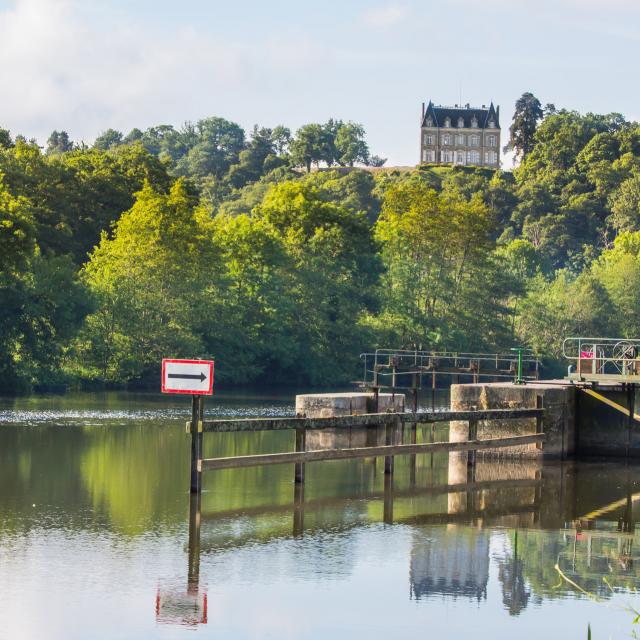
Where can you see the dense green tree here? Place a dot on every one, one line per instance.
(309, 146)
(377, 161)
(59, 142)
(281, 139)
(17, 246)
(351, 145)
(618, 271)
(335, 272)
(438, 254)
(219, 145)
(625, 205)
(5, 139)
(152, 281)
(527, 114)
(567, 306)
(108, 139)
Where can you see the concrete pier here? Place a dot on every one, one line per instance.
(558, 423)
(329, 405)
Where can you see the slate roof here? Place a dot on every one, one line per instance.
(439, 115)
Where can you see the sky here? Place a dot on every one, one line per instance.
(87, 65)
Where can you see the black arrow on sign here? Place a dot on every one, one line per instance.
(188, 376)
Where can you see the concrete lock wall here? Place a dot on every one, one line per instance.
(558, 424)
(328, 405)
(603, 430)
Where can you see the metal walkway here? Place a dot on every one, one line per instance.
(612, 360)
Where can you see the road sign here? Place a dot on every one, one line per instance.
(194, 377)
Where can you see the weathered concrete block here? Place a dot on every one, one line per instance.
(558, 425)
(327, 405)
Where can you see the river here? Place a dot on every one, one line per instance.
(94, 535)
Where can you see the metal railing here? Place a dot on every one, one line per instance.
(404, 368)
(603, 356)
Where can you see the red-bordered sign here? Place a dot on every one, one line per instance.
(193, 377)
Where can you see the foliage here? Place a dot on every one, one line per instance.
(205, 239)
(525, 121)
(149, 281)
(437, 249)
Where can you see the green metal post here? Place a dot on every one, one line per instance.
(519, 378)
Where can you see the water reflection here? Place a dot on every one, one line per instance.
(112, 500)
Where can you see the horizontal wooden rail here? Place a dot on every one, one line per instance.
(235, 462)
(364, 420)
(396, 494)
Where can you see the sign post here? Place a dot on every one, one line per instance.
(193, 377)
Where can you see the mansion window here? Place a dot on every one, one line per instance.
(492, 124)
(473, 157)
(474, 140)
(474, 122)
(459, 157)
(429, 122)
(446, 156)
(490, 157)
(429, 138)
(491, 141)
(428, 155)
(461, 123)
(447, 122)
(446, 139)
(460, 139)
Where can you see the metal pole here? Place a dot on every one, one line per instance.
(193, 579)
(197, 413)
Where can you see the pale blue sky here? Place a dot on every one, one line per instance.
(86, 66)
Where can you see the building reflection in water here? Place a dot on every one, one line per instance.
(450, 561)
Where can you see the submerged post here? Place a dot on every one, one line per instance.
(194, 543)
(473, 435)
(301, 442)
(391, 431)
(197, 416)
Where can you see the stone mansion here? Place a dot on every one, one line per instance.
(460, 135)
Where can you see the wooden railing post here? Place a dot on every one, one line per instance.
(301, 443)
(298, 509)
(387, 511)
(391, 434)
(539, 423)
(473, 435)
(413, 458)
(197, 418)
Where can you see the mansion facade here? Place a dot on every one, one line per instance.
(460, 135)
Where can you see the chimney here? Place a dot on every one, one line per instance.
(467, 105)
(421, 121)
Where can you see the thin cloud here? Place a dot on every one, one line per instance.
(386, 16)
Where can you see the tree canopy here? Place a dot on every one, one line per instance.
(284, 256)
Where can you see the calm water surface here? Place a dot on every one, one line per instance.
(94, 535)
